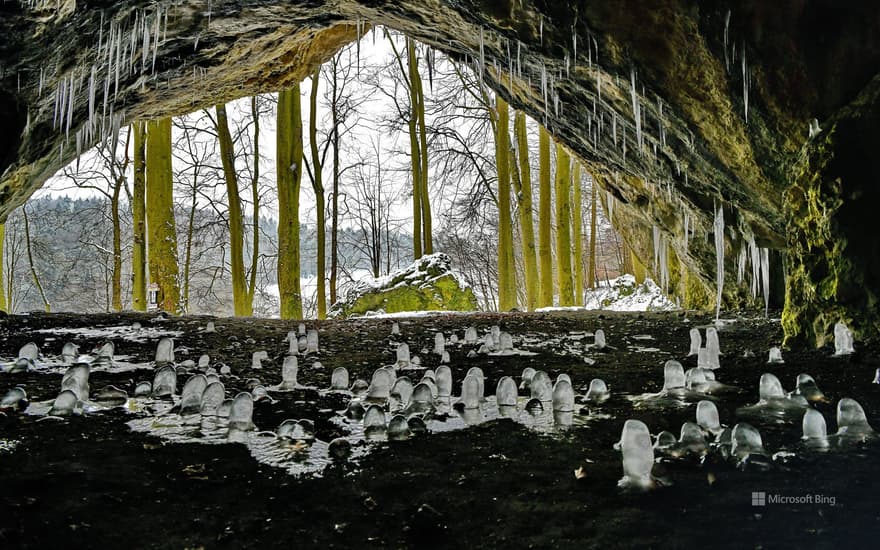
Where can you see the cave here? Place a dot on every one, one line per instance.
(681, 110)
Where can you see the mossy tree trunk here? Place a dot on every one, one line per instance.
(3, 305)
(577, 235)
(563, 226)
(318, 188)
(415, 153)
(289, 168)
(241, 307)
(506, 266)
(161, 227)
(527, 229)
(594, 200)
(138, 219)
(545, 252)
(418, 94)
(30, 257)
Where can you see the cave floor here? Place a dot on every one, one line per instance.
(90, 481)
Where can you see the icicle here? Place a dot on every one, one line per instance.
(765, 278)
(637, 115)
(40, 87)
(92, 96)
(719, 257)
(158, 28)
(745, 72)
(145, 51)
(687, 222)
(574, 41)
(726, 35)
(482, 54)
(741, 264)
(359, 32)
(756, 265)
(541, 29)
(656, 232)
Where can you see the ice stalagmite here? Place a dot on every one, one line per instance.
(65, 404)
(380, 385)
(339, 379)
(421, 400)
(713, 348)
(443, 378)
(843, 340)
(15, 399)
(599, 339)
(851, 419)
(69, 353)
(807, 387)
(241, 413)
(191, 395)
(707, 417)
(439, 343)
(403, 359)
(477, 373)
(506, 392)
(374, 421)
(696, 342)
(165, 351)
(563, 396)
(470, 335)
(312, 341)
(289, 371)
(398, 428)
(691, 439)
(745, 441)
(769, 387)
(814, 425)
(638, 455)
(212, 398)
(76, 379)
(598, 391)
(541, 387)
(165, 382)
(775, 356)
(402, 389)
(673, 375)
(29, 351)
(470, 392)
(395, 329)
(719, 257)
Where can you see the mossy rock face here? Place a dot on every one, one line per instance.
(429, 284)
(833, 252)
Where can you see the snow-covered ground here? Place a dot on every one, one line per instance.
(623, 294)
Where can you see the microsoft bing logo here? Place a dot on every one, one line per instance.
(759, 498)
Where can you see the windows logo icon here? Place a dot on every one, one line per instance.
(759, 498)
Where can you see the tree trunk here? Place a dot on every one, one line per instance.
(241, 308)
(318, 187)
(506, 265)
(116, 283)
(419, 105)
(577, 235)
(594, 200)
(415, 154)
(527, 229)
(3, 305)
(161, 227)
(255, 198)
(545, 252)
(563, 226)
(289, 168)
(30, 257)
(138, 218)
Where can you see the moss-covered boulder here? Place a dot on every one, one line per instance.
(429, 284)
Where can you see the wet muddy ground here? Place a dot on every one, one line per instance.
(90, 481)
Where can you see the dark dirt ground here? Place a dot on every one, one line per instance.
(91, 482)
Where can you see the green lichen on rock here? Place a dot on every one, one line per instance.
(832, 254)
(429, 284)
